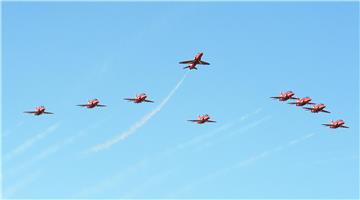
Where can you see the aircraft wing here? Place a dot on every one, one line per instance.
(327, 124)
(310, 103)
(99, 105)
(129, 99)
(292, 102)
(294, 98)
(275, 97)
(48, 113)
(149, 101)
(344, 126)
(193, 120)
(307, 108)
(82, 105)
(211, 121)
(186, 62)
(30, 112)
(325, 111)
(204, 63)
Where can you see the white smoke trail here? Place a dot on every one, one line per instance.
(22, 183)
(54, 148)
(242, 163)
(139, 124)
(30, 142)
(197, 140)
(115, 180)
(269, 152)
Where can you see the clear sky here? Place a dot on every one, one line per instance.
(62, 54)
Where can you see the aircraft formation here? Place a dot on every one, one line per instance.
(316, 108)
(139, 98)
(191, 64)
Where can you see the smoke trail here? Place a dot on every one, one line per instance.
(23, 183)
(114, 180)
(54, 148)
(139, 124)
(30, 142)
(242, 163)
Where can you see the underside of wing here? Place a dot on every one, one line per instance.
(275, 97)
(129, 99)
(99, 105)
(82, 105)
(204, 63)
(344, 126)
(48, 113)
(310, 103)
(292, 103)
(149, 101)
(187, 62)
(307, 108)
(30, 112)
(325, 111)
(211, 121)
(193, 120)
(327, 124)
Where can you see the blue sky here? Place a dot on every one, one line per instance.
(63, 54)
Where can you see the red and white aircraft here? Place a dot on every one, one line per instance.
(196, 61)
(284, 96)
(38, 111)
(139, 98)
(202, 119)
(302, 101)
(336, 124)
(92, 104)
(317, 108)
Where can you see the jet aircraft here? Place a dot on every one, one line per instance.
(202, 119)
(336, 124)
(139, 98)
(92, 104)
(317, 108)
(302, 101)
(284, 96)
(39, 110)
(196, 61)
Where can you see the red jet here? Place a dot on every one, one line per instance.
(92, 104)
(139, 98)
(285, 96)
(38, 111)
(202, 119)
(317, 108)
(197, 61)
(302, 101)
(336, 124)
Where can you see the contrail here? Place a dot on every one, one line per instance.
(139, 124)
(201, 138)
(114, 180)
(54, 148)
(28, 143)
(27, 180)
(244, 163)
